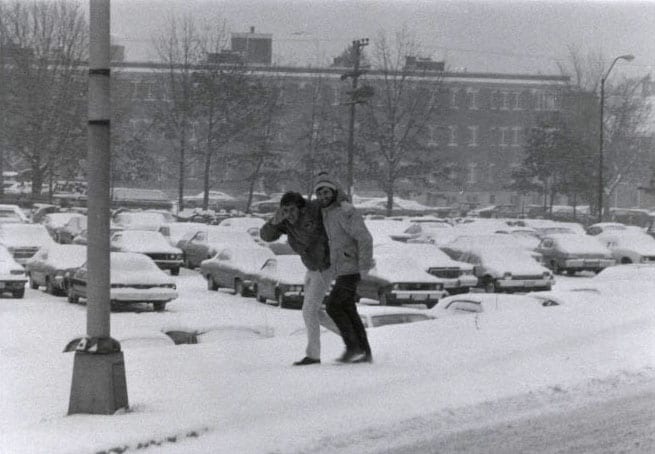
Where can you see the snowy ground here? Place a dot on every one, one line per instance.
(236, 390)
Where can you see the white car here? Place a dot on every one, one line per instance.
(574, 252)
(377, 316)
(12, 275)
(56, 221)
(235, 267)
(281, 279)
(384, 229)
(483, 302)
(397, 279)
(134, 278)
(456, 277)
(611, 227)
(12, 213)
(23, 240)
(463, 243)
(629, 247)
(242, 224)
(174, 231)
(151, 243)
(505, 269)
(140, 220)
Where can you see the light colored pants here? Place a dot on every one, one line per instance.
(317, 284)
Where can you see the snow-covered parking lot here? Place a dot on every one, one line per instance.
(236, 391)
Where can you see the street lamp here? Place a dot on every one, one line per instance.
(627, 57)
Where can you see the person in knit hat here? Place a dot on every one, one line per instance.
(301, 221)
(351, 255)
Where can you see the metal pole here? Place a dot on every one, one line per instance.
(98, 158)
(99, 385)
(627, 57)
(351, 126)
(600, 152)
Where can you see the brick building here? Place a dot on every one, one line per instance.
(480, 126)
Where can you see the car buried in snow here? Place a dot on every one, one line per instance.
(12, 275)
(282, 280)
(134, 278)
(235, 267)
(571, 253)
(396, 280)
(151, 243)
(51, 265)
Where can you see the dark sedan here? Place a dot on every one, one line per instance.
(50, 265)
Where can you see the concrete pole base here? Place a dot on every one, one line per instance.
(99, 385)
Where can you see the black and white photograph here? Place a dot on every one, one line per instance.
(327, 226)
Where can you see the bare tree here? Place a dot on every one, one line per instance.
(626, 111)
(179, 47)
(395, 121)
(44, 48)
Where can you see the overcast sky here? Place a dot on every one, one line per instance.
(507, 36)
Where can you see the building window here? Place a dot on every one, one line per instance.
(473, 136)
(517, 101)
(505, 100)
(516, 135)
(432, 136)
(453, 98)
(491, 169)
(472, 173)
(503, 131)
(452, 141)
(472, 95)
(546, 101)
(495, 100)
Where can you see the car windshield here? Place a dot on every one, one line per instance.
(64, 255)
(140, 218)
(31, 232)
(138, 238)
(131, 262)
(5, 255)
(229, 236)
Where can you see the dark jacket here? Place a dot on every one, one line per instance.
(307, 237)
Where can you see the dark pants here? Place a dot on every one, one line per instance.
(342, 309)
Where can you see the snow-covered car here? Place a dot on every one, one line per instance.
(12, 274)
(571, 253)
(12, 213)
(456, 277)
(507, 269)
(207, 241)
(235, 267)
(384, 229)
(629, 247)
(464, 243)
(243, 223)
(140, 220)
(56, 221)
(397, 279)
(483, 302)
(281, 279)
(23, 240)
(151, 243)
(377, 316)
(51, 265)
(174, 231)
(82, 236)
(611, 227)
(71, 228)
(635, 272)
(134, 278)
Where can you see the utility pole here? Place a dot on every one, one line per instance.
(354, 100)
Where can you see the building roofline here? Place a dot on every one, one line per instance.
(337, 72)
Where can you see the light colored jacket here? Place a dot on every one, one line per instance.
(351, 244)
